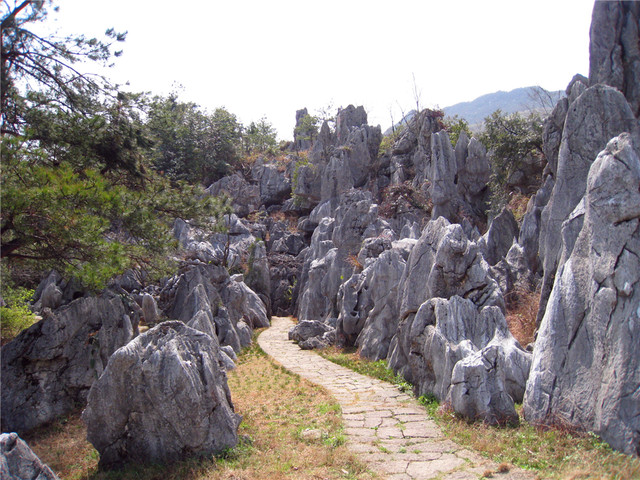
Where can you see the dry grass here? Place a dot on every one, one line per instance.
(553, 453)
(276, 407)
(522, 309)
(518, 205)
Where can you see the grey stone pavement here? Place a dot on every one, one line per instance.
(388, 429)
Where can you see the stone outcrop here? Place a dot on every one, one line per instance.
(274, 185)
(369, 313)
(245, 197)
(18, 462)
(312, 334)
(336, 239)
(162, 397)
(597, 115)
(49, 368)
(207, 299)
(465, 356)
(585, 370)
(614, 49)
(444, 263)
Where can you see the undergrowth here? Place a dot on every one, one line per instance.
(552, 453)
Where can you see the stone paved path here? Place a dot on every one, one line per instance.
(387, 428)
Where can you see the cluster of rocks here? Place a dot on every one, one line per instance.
(426, 291)
(152, 397)
(381, 250)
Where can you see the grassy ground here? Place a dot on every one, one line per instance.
(278, 411)
(551, 453)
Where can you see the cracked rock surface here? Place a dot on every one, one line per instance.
(586, 370)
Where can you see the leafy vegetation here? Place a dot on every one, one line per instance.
(307, 129)
(455, 126)
(93, 177)
(15, 315)
(510, 139)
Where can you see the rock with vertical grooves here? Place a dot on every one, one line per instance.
(48, 369)
(586, 367)
(162, 397)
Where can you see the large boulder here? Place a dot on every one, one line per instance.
(500, 236)
(614, 49)
(381, 320)
(596, 116)
(586, 366)
(444, 263)
(18, 462)
(275, 184)
(245, 197)
(162, 397)
(465, 356)
(48, 369)
(207, 299)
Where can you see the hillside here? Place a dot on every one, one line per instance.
(517, 100)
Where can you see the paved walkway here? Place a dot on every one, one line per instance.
(387, 428)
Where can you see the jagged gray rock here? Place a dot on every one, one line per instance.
(614, 49)
(442, 172)
(465, 356)
(275, 185)
(381, 321)
(205, 297)
(162, 397)
(500, 236)
(306, 329)
(149, 309)
(18, 462)
(245, 197)
(444, 263)
(586, 368)
(599, 114)
(48, 369)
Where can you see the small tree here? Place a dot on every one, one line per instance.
(509, 139)
(260, 137)
(307, 129)
(455, 126)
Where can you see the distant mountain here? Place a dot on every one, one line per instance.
(518, 100)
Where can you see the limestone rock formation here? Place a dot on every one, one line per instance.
(377, 319)
(275, 185)
(586, 368)
(48, 369)
(444, 263)
(465, 356)
(500, 236)
(207, 299)
(18, 462)
(312, 334)
(245, 197)
(614, 49)
(337, 239)
(596, 116)
(162, 397)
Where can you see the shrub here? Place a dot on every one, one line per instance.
(15, 316)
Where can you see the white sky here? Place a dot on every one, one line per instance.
(270, 58)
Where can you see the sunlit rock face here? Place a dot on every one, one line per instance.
(586, 366)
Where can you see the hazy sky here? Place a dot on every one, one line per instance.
(270, 58)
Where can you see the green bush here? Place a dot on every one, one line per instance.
(15, 316)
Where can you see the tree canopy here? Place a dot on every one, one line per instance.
(80, 191)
